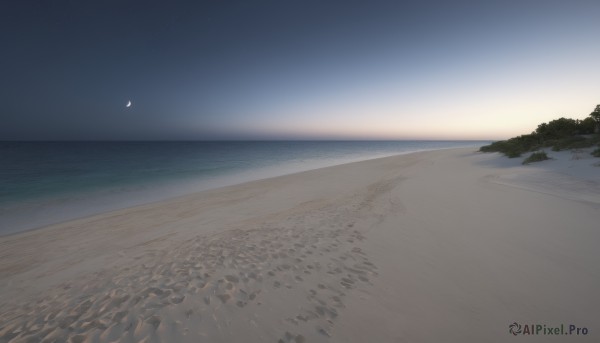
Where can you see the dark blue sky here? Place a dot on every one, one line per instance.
(294, 69)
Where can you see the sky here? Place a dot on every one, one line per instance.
(294, 69)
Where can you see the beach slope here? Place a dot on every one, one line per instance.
(439, 246)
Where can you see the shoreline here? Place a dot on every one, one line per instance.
(107, 200)
(418, 247)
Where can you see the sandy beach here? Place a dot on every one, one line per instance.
(439, 246)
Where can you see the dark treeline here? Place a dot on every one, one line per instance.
(558, 134)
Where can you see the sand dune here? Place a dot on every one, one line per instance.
(427, 247)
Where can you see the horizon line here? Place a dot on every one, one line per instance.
(236, 140)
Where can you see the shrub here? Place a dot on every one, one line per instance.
(536, 157)
(596, 153)
(595, 138)
(557, 128)
(575, 142)
(512, 154)
(586, 126)
(515, 146)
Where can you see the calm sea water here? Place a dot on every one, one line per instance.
(48, 182)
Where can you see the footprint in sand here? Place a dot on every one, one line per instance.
(223, 297)
(232, 278)
(177, 299)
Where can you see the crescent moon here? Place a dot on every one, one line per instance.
(128, 104)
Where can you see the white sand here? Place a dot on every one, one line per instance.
(443, 246)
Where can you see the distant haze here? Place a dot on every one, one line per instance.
(294, 69)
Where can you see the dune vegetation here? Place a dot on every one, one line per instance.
(559, 134)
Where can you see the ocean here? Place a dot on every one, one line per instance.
(42, 183)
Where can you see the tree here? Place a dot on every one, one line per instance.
(558, 128)
(596, 116)
(587, 126)
(542, 129)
